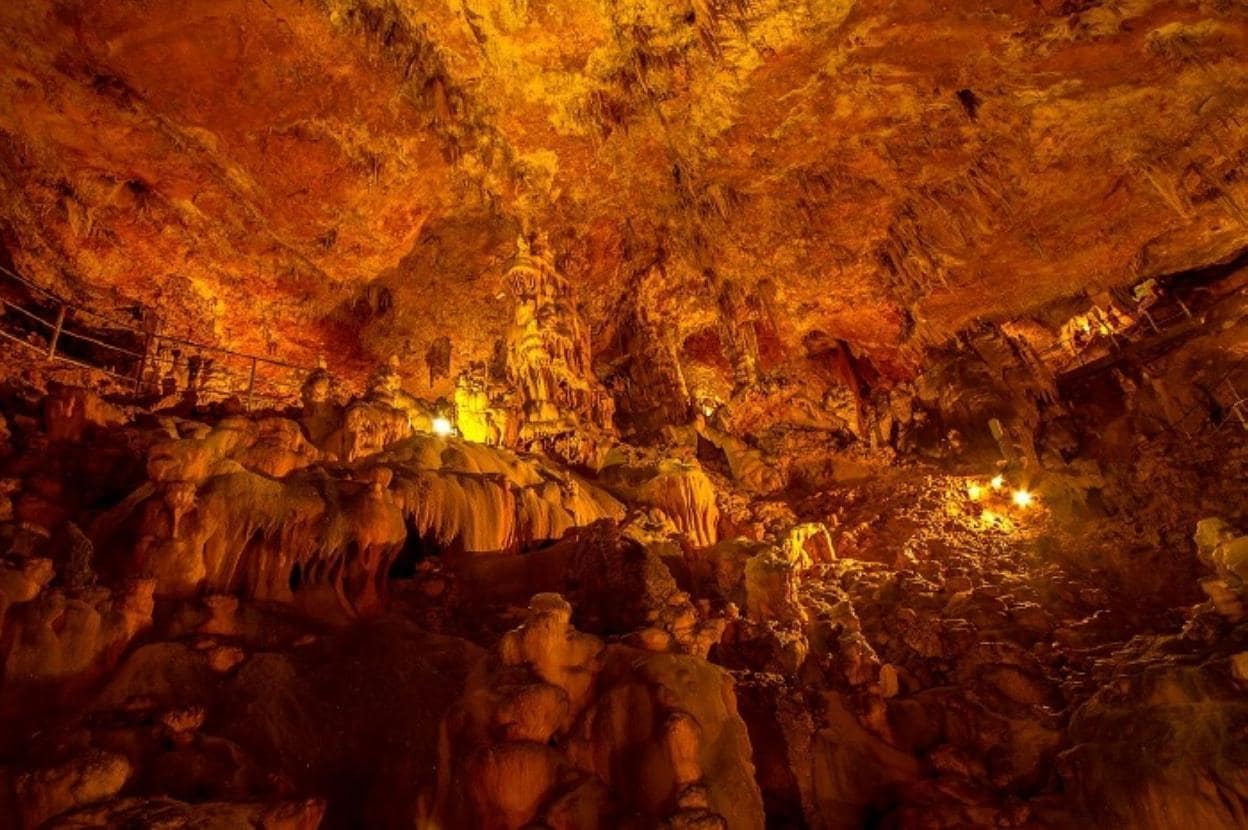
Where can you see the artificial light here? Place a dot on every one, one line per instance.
(442, 426)
(975, 492)
(1022, 498)
(997, 482)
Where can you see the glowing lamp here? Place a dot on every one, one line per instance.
(975, 492)
(442, 426)
(1022, 498)
(997, 482)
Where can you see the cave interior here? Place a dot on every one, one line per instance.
(592, 414)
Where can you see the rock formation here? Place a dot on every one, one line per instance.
(558, 728)
(249, 507)
(659, 415)
(548, 360)
(230, 600)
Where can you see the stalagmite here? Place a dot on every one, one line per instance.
(58, 636)
(646, 415)
(680, 489)
(545, 720)
(549, 361)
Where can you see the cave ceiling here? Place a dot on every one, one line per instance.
(348, 177)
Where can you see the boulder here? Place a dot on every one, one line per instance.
(69, 412)
(92, 776)
(554, 724)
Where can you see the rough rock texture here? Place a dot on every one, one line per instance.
(880, 173)
(242, 509)
(343, 640)
(726, 414)
(146, 812)
(555, 727)
(90, 777)
(58, 636)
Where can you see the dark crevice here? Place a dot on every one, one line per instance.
(970, 102)
(1205, 275)
(416, 549)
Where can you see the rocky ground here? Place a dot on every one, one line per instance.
(209, 621)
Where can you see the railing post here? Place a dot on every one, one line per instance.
(147, 349)
(56, 331)
(251, 383)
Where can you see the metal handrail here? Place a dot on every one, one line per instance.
(152, 359)
(27, 313)
(1158, 327)
(64, 358)
(68, 333)
(1235, 367)
(167, 338)
(51, 295)
(96, 341)
(22, 342)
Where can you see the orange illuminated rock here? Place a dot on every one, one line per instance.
(807, 544)
(1223, 550)
(548, 351)
(482, 411)
(69, 411)
(88, 778)
(279, 448)
(247, 507)
(748, 466)
(1158, 690)
(137, 811)
(21, 580)
(554, 718)
(59, 636)
(657, 343)
(625, 587)
(678, 488)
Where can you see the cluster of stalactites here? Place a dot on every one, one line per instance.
(252, 508)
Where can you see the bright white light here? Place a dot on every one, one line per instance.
(1022, 498)
(997, 482)
(975, 492)
(442, 426)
